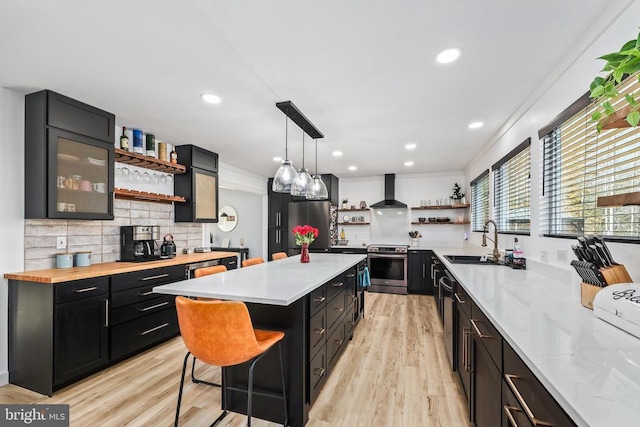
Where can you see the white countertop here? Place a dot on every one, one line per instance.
(590, 367)
(276, 282)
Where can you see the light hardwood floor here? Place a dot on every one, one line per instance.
(394, 373)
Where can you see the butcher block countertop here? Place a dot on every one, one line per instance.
(59, 275)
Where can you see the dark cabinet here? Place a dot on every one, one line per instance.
(463, 349)
(69, 158)
(419, 272)
(199, 185)
(278, 221)
(231, 263)
(332, 183)
(436, 270)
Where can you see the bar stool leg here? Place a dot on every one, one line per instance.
(184, 370)
(284, 392)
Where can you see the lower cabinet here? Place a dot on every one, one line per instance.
(419, 277)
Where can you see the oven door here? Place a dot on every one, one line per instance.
(388, 273)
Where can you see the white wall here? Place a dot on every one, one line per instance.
(12, 212)
(388, 226)
(538, 112)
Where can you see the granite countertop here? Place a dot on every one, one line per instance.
(276, 282)
(590, 367)
(58, 275)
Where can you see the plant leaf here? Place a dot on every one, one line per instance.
(597, 91)
(630, 100)
(617, 75)
(629, 45)
(608, 108)
(633, 118)
(599, 127)
(638, 41)
(614, 57)
(596, 116)
(631, 67)
(610, 90)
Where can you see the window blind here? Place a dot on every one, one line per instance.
(512, 190)
(581, 165)
(480, 201)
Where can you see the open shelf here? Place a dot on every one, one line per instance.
(619, 200)
(353, 210)
(354, 223)
(135, 159)
(122, 193)
(618, 119)
(431, 208)
(441, 223)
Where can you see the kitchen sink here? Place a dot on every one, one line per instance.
(470, 259)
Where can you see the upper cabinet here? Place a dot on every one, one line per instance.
(69, 158)
(199, 185)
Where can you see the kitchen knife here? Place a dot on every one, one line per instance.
(603, 255)
(598, 275)
(599, 261)
(578, 267)
(587, 271)
(576, 251)
(606, 249)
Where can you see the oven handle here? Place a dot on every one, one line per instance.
(444, 285)
(387, 256)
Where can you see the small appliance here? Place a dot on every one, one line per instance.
(168, 248)
(138, 243)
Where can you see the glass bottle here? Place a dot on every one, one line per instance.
(174, 156)
(124, 139)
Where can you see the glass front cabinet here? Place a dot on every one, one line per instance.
(69, 158)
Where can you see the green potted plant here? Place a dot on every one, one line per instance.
(345, 203)
(457, 195)
(603, 89)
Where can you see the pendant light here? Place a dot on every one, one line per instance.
(302, 180)
(284, 176)
(317, 190)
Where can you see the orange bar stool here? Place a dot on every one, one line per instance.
(252, 261)
(279, 255)
(200, 272)
(220, 333)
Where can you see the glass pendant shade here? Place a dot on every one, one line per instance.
(317, 190)
(284, 177)
(301, 182)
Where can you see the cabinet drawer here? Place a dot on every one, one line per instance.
(512, 413)
(318, 299)
(533, 397)
(80, 289)
(335, 344)
(317, 331)
(349, 323)
(487, 334)
(335, 311)
(132, 296)
(230, 263)
(145, 308)
(153, 277)
(130, 337)
(191, 155)
(336, 285)
(462, 299)
(317, 374)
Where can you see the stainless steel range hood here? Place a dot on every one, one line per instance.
(389, 194)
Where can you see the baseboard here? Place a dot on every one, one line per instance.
(4, 378)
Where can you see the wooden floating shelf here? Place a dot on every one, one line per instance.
(354, 223)
(353, 210)
(430, 208)
(135, 159)
(618, 119)
(619, 200)
(441, 223)
(125, 194)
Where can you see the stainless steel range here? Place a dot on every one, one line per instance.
(388, 268)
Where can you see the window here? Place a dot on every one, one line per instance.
(580, 166)
(480, 201)
(512, 190)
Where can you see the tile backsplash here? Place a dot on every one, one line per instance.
(102, 238)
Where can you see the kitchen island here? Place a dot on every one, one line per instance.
(316, 305)
(589, 366)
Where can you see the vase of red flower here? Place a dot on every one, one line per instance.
(305, 234)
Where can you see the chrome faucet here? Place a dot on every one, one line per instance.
(496, 252)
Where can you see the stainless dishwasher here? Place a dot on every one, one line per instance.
(191, 267)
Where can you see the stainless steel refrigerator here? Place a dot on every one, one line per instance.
(320, 215)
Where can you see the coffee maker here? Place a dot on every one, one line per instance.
(138, 243)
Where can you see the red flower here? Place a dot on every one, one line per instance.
(305, 233)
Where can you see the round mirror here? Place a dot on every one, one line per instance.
(227, 218)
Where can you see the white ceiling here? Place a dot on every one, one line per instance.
(363, 71)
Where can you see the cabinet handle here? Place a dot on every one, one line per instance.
(318, 372)
(148, 331)
(338, 309)
(432, 267)
(319, 299)
(507, 411)
(159, 276)
(423, 271)
(351, 276)
(466, 332)
(458, 299)
(79, 291)
(231, 262)
(151, 307)
(106, 313)
(338, 343)
(480, 334)
(536, 422)
(337, 284)
(319, 331)
(146, 294)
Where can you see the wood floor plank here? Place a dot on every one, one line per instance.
(395, 372)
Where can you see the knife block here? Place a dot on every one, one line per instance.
(612, 275)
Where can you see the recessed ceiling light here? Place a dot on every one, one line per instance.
(410, 146)
(475, 125)
(352, 168)
(448, 55)
(210, 98)
(277, 159)
(337, 153)
(409, 163)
